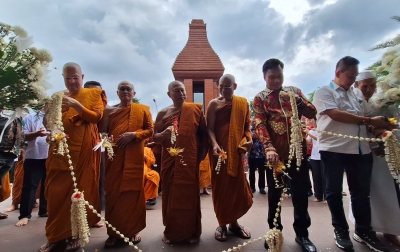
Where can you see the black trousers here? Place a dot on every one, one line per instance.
(358, 171)
(255, 163)
(101, 181)
(299, 190)
(317, 168)
(6, 163)
(34, 173)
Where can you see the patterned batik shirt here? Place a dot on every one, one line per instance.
(13, 136)
(272, 113)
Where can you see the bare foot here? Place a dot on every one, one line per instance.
(99, 224)
(136, 239)
(325, 202)
(22, 222)
(317, 200)
(11, 208)
(392, 239)
(286, 196)
(36, 205)
(165, 240)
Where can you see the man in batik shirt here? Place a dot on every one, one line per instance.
(272, 112)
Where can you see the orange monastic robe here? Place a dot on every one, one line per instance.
(18, 183)
(5, 190)
(231, 192)
(123, 184)
(151, 178)
(180, 175)
(83, 133)
(205, 173)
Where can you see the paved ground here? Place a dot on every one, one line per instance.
(32, 236)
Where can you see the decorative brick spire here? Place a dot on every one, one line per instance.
(197, 59)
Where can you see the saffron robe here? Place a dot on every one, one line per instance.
(205, 173)
(5, 190)
(123, 183)
(151, 178)
(231, 192)
(180, 175)
(18, 184)
(83, 133)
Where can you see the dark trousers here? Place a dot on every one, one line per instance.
(6, 163)
(299, 190)
(255, 163)
(34, 173)
(317, 168)
(101, 181)
(358, 171)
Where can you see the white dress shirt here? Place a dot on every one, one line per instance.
(336, 97)
(315, 149)
(37, 148)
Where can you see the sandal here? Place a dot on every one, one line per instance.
(220, 234)
(48, 247)
(113, 242)
(72, 245)
(240, 232)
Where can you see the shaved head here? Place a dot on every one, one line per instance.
(72, 65)
(126, 83)
(173, 83)
(229, 77)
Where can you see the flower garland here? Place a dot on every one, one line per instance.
(175, 151)
(221, 158)
(174, 130)
(296, 135)
(107, 143)
(79, 226)
(392, 148)
(55, 124)
(274, 237)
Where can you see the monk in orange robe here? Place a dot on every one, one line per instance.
(82, 109)
(5, 190)
(180, 173)
(228, 124)
(130, 124)
(205, 175)
(151, 178)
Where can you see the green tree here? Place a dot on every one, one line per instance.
(136, 100)
(311, 96)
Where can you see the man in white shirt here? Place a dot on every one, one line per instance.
(341, 111)
(34, 167)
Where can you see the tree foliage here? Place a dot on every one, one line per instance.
(136, 100)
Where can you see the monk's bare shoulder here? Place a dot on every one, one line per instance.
(215, 103)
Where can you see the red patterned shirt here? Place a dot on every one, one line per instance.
(272, 114)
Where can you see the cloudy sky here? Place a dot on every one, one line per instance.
(139, 40)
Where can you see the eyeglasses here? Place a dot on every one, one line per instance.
(122, 89)
(225, 87)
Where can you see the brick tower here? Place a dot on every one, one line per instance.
(198, 67)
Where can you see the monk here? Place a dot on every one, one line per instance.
(151, 178)
(5, 192)
(130, 124)
(228, 124)
(180, 173)
(82, 109)
(205, 175)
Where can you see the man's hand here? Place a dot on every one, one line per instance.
(21, 155)
(247, 145)
(125, 138)
(272, 157)
(42, 133)
(216, 150)
(68, 102)
(379, 122)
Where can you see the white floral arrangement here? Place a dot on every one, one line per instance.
(23, 70)
(389, 84)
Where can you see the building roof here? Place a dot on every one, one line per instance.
(197, 59)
